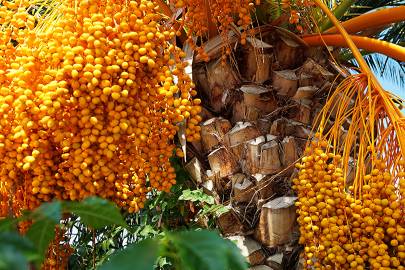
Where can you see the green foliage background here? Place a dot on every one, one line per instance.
(164, 235)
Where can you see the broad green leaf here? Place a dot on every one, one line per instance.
(148, 231)
(13, 240)
(8, 224)
(96, 212)
(41, 233)
(51, 211)
(216, 210)
(222, 209)
(11, 259)
(196, 196)
(139, 256)
(205, 250)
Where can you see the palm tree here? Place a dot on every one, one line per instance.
(385, 66)
(261, 103)
(391, 31)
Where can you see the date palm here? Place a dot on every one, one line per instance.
(354, 29)
(392, 31)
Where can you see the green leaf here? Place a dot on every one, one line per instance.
(51, 211)
(14, 241)
(205, 250)
(148, 231)
(96, 212)
(12, 259)
(139, 256)
(41, 233)
(196, 196)
(8, 224)
(216, 210)
(339, 11)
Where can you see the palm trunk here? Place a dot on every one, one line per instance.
(260, 107)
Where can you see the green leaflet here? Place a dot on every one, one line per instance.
(139, 256)
(96, 212)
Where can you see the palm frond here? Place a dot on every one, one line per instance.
(339, 10)
(331, 3)
(269, 11)
(363, 6)
(394, 34)
(383, 66)
(387, 68)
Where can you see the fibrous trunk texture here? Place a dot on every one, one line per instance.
(263, 103)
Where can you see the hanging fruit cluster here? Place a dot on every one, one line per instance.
(354, 221)
(294, 9)
(341, 232)
(90, 98)
(205, 16)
